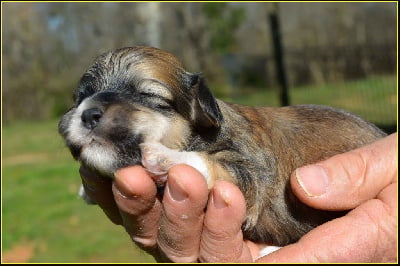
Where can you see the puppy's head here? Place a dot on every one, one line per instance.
(135, 95)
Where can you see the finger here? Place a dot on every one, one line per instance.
(181, 222)
(98, 189)
(135, 194)
(222, 238)
(346, 180)
(366, 234)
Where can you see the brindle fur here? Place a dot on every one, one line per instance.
(256, 148)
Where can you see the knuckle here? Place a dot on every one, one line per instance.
(354, 168)
(176, 251)
(349, 176)
(218, 235)
(132, 204)
(180, 257)
(178, 244)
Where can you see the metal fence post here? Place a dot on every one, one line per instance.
(278, 54)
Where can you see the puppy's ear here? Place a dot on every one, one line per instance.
(205, 109)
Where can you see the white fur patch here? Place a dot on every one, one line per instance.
(95, 152)
(78, 133)
(152, 126)
(158, 159)
(99, 156)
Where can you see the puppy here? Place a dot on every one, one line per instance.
(139, 106)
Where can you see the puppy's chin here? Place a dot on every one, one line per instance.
(106, 159)
(102, 159)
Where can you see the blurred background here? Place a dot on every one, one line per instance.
(338, 54)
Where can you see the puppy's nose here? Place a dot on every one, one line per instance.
(91, 117)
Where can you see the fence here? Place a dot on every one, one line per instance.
(361, 79)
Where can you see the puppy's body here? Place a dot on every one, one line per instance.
(139, 106)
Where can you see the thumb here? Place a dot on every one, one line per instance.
(349, 179)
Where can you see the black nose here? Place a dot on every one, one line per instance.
(91, 117)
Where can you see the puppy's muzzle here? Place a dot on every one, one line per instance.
(91, 117)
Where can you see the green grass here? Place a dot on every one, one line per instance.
(40, 207)
(40, 180)
(374, 99)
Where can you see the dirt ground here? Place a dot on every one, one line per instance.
(20, 253)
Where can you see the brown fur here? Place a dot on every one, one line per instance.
(256, 148)
(277, 141)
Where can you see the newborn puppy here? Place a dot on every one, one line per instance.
(139, 106)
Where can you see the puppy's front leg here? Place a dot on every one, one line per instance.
(158, 159)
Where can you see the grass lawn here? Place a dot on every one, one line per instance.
(43, 221)
(42, 218)
(374, 99)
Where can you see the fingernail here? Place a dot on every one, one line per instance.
(123, 187)
(176, 190)
(219, 199)
(313, 180)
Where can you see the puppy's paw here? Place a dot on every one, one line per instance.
(158, 159)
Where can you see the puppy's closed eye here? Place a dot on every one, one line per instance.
(155, 113)
(156, 101)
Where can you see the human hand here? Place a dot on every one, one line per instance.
(177, 227)
(364, 180)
